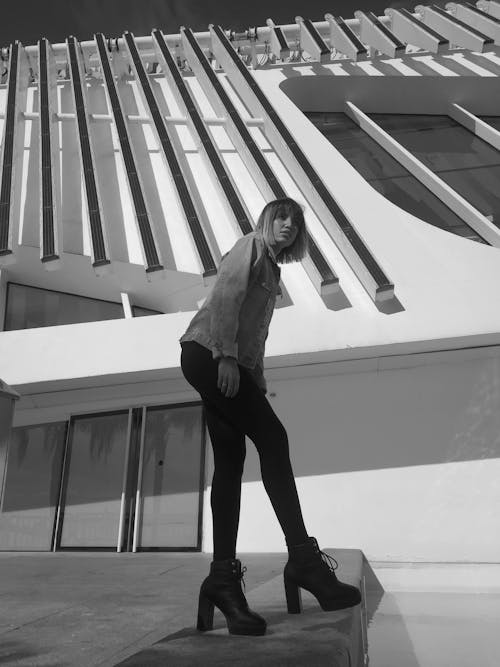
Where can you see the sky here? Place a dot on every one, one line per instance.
(29, 20)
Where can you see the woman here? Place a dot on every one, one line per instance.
(223, 359)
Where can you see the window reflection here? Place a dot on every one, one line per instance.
(171, 477)
(465, 162)
(95, 480)
(386, 174)
(32, 307)
(31, 486)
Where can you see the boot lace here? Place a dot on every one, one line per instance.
(240, 577)
(329, 561)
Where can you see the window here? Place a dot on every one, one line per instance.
(110, 460)
(29, 495)
(33, 307)
(461, 159)
(386, 174)
(138, 311)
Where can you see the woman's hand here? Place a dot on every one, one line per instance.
(228, 380)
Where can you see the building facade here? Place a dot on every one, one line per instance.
(130, 165)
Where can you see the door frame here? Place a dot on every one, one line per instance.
(128, 529)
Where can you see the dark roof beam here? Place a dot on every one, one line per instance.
(320, 273)
(174, 159)
(11, 151)
(334, 220)
(149, 247)
(98, 241)
(216, 168)
(50, 213)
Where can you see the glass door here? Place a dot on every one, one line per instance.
(133, 480)
(170, 478)
(94, 473)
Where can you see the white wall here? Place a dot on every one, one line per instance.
(402, 463)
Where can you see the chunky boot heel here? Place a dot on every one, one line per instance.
(205, 614)
(313, 570)
(222, 589)
(293, 596)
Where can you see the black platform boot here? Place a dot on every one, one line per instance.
(312, 569)
(222, 588)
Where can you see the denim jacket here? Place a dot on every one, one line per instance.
(234, 320)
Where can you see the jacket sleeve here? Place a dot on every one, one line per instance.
(258, 371)
(228, 295)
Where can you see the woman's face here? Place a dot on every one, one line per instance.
(285, 232)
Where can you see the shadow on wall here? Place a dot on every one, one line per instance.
(418, 416)
(388, 94)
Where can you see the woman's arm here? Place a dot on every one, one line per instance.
(228, 295)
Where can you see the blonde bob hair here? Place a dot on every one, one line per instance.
(282, 208)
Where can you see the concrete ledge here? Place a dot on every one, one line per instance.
(314, 637)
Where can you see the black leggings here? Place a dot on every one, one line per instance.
(229, 420)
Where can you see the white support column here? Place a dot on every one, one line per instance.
(51, 229)
(148, 235)
(100, 255)
(378, 36)
(340, 228)
(479, 127)
(222, 180)
(127, 309)
(491, 7)
(320, 273)
(436, 185)
(477, 19)
(312, 42)
(412, 31)
(457, 32)
(177, 165)
(279, 45)
(344, 40)
(11, 152)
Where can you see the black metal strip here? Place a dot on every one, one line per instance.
(150, 251)
(280, 37)
(345, 225)
(48, 249)
(418, 23)
(351, 36)
(319, 41)
(193, 221)
(327, 275)
(8, 152)
(462, 24)
(374, 20)
(96, 232)
(205, 137)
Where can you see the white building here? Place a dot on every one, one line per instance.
(383, 357)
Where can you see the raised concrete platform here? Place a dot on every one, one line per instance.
(314, 637)
(105, 609)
